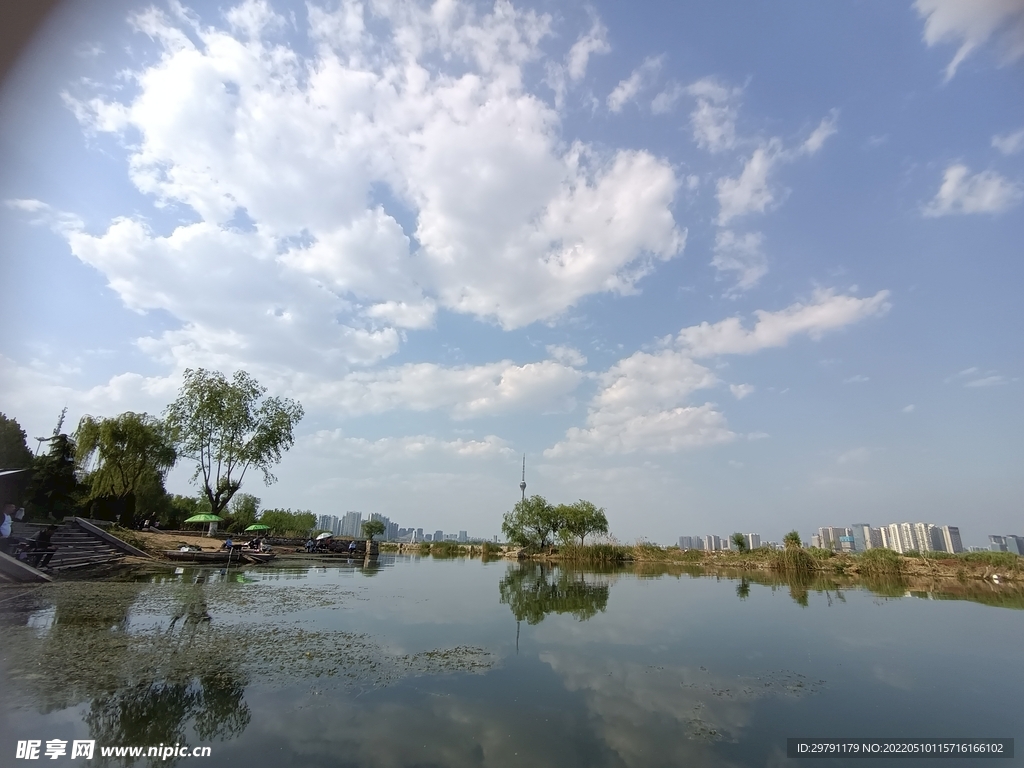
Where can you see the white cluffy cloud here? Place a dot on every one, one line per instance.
(1010, 143)
(826, 312)
(387, 175)
(561, 75)
(713, 120)
(742, 255)
(751, 191)
(972, 23)
(643, 401)
(641, 78)
(984, 192)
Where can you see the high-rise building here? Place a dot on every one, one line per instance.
(391, 531)
(861, 536)
(951, 539)
(997, 543)
(352, 524)
(687, 542)
(908, 537)
(428, 537)
(438, 535)
(1014, 544)
(463, 537)
(816, 540)
(753, 540)
(419, 535)
(712, 543)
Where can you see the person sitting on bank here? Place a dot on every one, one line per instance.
(42, 548)
(352, 546)
(228, 543)
(309, 544)
(7, 541)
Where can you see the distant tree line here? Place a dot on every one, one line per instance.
(114, 468)
(535, 523)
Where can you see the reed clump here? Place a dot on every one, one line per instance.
(594, 553)
(794, 560)
(880, 562)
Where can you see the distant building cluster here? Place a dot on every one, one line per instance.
(1013, 544)
(351, 524)
(899, 537)
(717, 543)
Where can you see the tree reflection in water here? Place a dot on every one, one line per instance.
(533, 590)
(142, 687)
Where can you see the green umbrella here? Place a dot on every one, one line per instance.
(205, 519)
(258, 527)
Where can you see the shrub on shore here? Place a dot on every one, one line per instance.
(880, 562)
(794, 560)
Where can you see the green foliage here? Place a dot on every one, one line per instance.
(14, 450)
(594, 554)
(793, 559)
(445, 549)
(532, 523)
(373, 528)
(284, 522)
(226, 427)
(581, 519)
(739, 542)
(880, 562)
(54, 490)
(120, 456)
(244, 510)
(489, 549)
(533, 591)
(792, 539)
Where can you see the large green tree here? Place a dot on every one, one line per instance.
(532, 522)
(582, 519)
(226, 427)
(14, 450)
(121, 456)
(284, 522)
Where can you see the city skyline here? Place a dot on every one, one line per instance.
(708, 270)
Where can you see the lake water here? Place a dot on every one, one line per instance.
(414, 661)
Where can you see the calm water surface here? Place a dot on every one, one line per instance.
(423, 662)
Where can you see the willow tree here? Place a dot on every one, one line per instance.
(227, 427)
(582, 519)
(121, 456)
(532, 522)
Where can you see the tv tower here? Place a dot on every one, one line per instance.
(522, 485)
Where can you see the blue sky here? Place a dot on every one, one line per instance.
(715, 267)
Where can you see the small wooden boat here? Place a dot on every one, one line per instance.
(219, 556)
(204, 556)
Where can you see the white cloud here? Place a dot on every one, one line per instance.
(858, 379)
(749, 192)
(1010, 143)
(593, 42)
(463, 391)
(742, 255)
(567, 355)
(908, 408)
(827, 127)
(666, 99)
(972, 23)
(987, 381)
(827, 311)
(984, 192)
(713, 120)
(641, 78)
(510, 222)
(740, 391)
(391, 449)
(641, 406)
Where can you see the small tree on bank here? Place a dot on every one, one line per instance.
(792, 540)
(582, 519)
(739, 541)
(372, 528)
(532, 522)
(226, 427)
